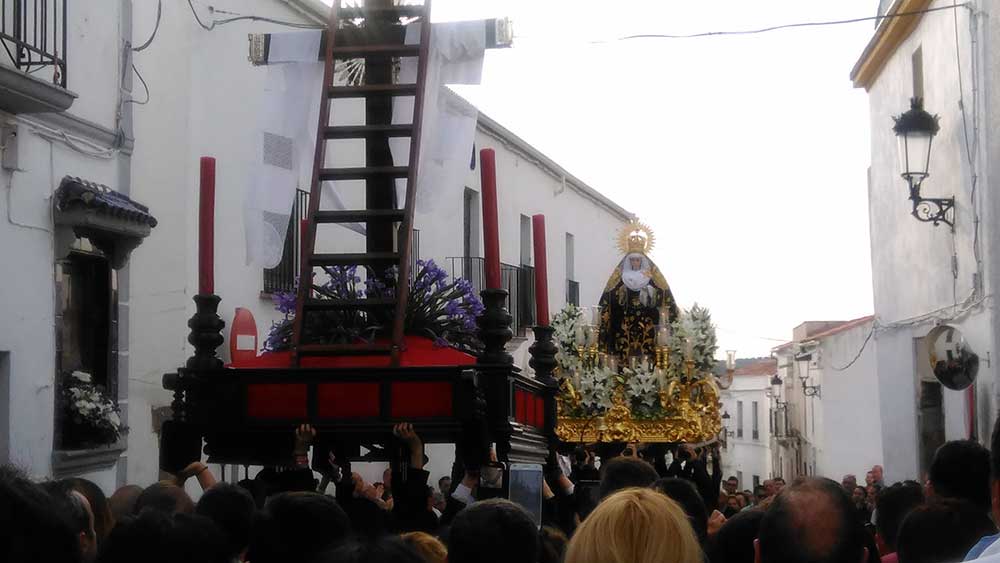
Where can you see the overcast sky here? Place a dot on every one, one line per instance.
(747, 155)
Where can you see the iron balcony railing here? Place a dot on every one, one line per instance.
(519, 281)
(281, 278)
(33, 36)
(572, 293)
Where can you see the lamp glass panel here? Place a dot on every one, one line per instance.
(914, 154)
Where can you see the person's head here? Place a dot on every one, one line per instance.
(438, 501)
(427, 546)
(942, 531)
(104, 520)
(296, 527)
(893, 504)
(444, 485)
(232, 509)
(878, 474)
(811, 520)
(733, 503)
(493, 531)
(164, 497)
(122, 502)
(779, 484)
(871, 494)
(551, 545)
(624, 472)
(769, 487)
(75, 508)
(849, 482)
(759, 493)
(359, 482)
(34, 528)
(869, 479)
(859, 496)
(636, 526)
(684, 494)
(386, 549)
(961, 469)
(734, 541)
(158, 537)
(731, 484)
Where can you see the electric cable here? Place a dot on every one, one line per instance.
(156, 27)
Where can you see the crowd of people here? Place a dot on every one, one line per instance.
(654, 504)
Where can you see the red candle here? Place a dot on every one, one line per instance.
(491, 231)
(206, 227)
(541, 271)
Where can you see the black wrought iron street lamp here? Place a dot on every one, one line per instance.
(775, 393)
(915, 130)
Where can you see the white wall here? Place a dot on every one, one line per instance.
(746, 455)
(27, 299)
(912, 261)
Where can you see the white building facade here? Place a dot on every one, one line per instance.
(747, 452)
(926, 275)
(203, 99)
(826, 410)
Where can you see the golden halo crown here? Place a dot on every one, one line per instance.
(636, 236)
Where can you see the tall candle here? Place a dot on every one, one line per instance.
(491, 230)
(541, 273)
(206, 227)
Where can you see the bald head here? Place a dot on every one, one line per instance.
(812, 520)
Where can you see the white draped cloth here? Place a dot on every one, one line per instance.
(285, 136)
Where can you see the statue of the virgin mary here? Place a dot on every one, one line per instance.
(633, 298)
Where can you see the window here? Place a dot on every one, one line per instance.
(470, 223)
(756, 482)
(87, 319)
(282, 277)
(525, 240)
(739, 419)
(756, 429)
(572, 286)
(739, 478)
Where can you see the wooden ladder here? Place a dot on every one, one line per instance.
(377, 41)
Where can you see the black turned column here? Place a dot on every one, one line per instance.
(494, 327)
(206, 333)
(543, 355)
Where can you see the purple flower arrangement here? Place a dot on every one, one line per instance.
(438, 308)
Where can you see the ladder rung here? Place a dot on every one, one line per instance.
(330, 174)
(333, 304)
(366, 131)
(358, 51)
(370, 90)
(351, 12)
(354, 259)
(343, 349)
(359, 215)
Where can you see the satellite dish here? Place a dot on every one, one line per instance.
(953, 362)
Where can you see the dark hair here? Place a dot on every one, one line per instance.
(231, 508)
(995, 450)
(684, 494)
(441, 480)
(624, 472)
(164, 497)
(296, 527)
(776, 479)
(732, 478)
(892, 506)
(551, 545)
(69, 505)
(157, 537)
(33, 528)
(759, 491)
(789, 534)
(122, 501)
(943, 530)
(387, 549)
(961, 469)
(493, 531)
(104, 520)
(734, 542)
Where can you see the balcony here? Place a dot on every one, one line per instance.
(572, 293)
(33, 56)
(519, 281)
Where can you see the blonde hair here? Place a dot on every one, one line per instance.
(635, 526)
(427, 546)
